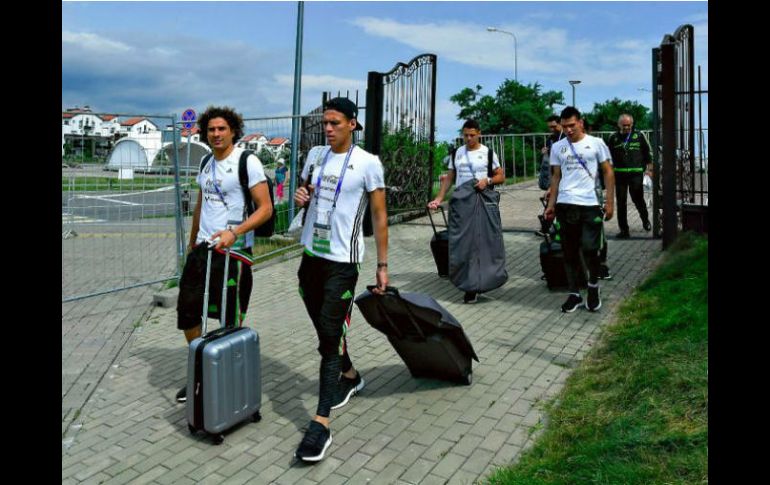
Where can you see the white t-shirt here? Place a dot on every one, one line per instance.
(577, 186)
(472, 164)
(215, 214)
(364, 174)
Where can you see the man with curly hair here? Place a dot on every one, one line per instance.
(220, 212)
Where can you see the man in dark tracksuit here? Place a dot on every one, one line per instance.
(630, 156)
(334, 249)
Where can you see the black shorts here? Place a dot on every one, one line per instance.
(581, 224)
(189, 306)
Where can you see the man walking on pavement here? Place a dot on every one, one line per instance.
(220, 213)
(470, 162)
(576, 161)
(631, 155)
(338, 181)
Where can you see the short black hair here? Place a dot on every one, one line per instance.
(233, 119)
(472, 124)
(552, 118)
(569, 112)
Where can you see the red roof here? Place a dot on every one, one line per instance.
(108, 117)
(132, 121)
(252, 136)
(277, 141)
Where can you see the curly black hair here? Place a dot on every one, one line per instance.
(233, 119)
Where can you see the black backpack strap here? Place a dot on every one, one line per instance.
(205, 160)
(452, 153)
(490, 158)
(243, 177)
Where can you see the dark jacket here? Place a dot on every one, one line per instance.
(544, 176)
(632, 156)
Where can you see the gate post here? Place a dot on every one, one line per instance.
(668, 117)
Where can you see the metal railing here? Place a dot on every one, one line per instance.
(126, 221)
(520, 153)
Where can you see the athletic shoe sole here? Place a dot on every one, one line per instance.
(318, 457)
(594, 309)
(351, 393)
(573, 308)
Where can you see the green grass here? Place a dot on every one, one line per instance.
(83, 184)
(636, 410)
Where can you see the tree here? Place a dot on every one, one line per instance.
(265, 156)
(515, 108)
(604, 116)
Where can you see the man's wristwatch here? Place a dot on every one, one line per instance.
(382, 265)
(489, 182)
(233, 231)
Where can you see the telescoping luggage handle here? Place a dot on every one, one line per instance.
(392, 290)
(430, 216)
(223, 310)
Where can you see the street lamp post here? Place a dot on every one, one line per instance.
(573, 91)
(515, 51)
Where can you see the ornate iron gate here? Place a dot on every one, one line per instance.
(400, 127)
(680, 137)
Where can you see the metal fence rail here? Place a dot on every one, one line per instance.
(119, 220)
(126, 219)
(520, 154)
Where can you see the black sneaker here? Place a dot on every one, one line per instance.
(315, 442)
(604, 272)
(647, 226)
(622, 235)
(348, 388)
(574, 301)
(181, 396)
(594, 301)
(470, 297)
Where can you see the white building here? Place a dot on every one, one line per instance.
(254, 141)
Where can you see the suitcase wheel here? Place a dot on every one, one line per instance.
(256, 417)
(191, 429)
(218, 438)
(468, 379)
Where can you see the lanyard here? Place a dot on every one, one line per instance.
(579, 159)
(214, 179)
(339, 182)
(628, 137)
(470, 165)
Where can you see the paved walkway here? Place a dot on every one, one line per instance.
(399, 429)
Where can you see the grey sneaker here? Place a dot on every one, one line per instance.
(315, 442)
(574, 301)
(594, 300)
(348, 388)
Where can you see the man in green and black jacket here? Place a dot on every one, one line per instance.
(631, 155)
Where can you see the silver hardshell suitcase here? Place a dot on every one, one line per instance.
(224, 385)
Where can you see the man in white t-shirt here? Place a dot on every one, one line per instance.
(470, 162)
(576, 161)
(344, 179)
(219, 213)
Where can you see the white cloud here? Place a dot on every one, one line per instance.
(322, 82)
(93, 42)
(541, 52)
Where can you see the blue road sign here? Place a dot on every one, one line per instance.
(189, 117)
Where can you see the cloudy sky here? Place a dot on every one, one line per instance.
(164, 57)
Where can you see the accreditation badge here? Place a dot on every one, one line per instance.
(322, 231)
